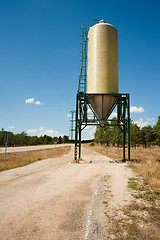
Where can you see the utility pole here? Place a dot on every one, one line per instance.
(6, 138)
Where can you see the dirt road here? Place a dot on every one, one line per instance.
(55, 199)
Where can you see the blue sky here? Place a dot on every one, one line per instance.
(40, 60)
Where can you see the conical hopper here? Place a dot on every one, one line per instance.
(103, 106)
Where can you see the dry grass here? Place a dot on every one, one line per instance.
(146, 212)
(147, 160)
(113, 152)
(138, 220)
(148, 164)
(19, 159)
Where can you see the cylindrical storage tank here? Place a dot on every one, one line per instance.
(102, 69)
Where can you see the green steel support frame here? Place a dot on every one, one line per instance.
(123, 118)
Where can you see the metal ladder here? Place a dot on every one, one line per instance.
(82, 84)
(83, 70)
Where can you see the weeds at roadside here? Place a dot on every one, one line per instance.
(143, 190)
(19, 159)
(139, 220)
(145, 214)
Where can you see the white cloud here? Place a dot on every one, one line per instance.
(11, 127)
(37, 102)
(141, 123)
(89, 132)
(89, 111)
(32, 131)
(68, 115)
(150, 119)
(52, 132)
(113, 114)
(43, 131)
(135, 109)
(31, 100)
(90, 114)
(63, 103)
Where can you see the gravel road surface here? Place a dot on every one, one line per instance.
(55, 199)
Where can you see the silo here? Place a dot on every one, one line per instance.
(101, 94)
(102, 69)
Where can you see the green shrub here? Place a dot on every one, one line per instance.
(92, 144)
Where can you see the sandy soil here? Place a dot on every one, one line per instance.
(57, 199)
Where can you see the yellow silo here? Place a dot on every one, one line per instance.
(102, 75)
(102, 69)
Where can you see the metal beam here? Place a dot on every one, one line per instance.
(82, 102)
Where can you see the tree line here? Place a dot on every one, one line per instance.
(22, 139)
(146, 136)
(109, 134)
